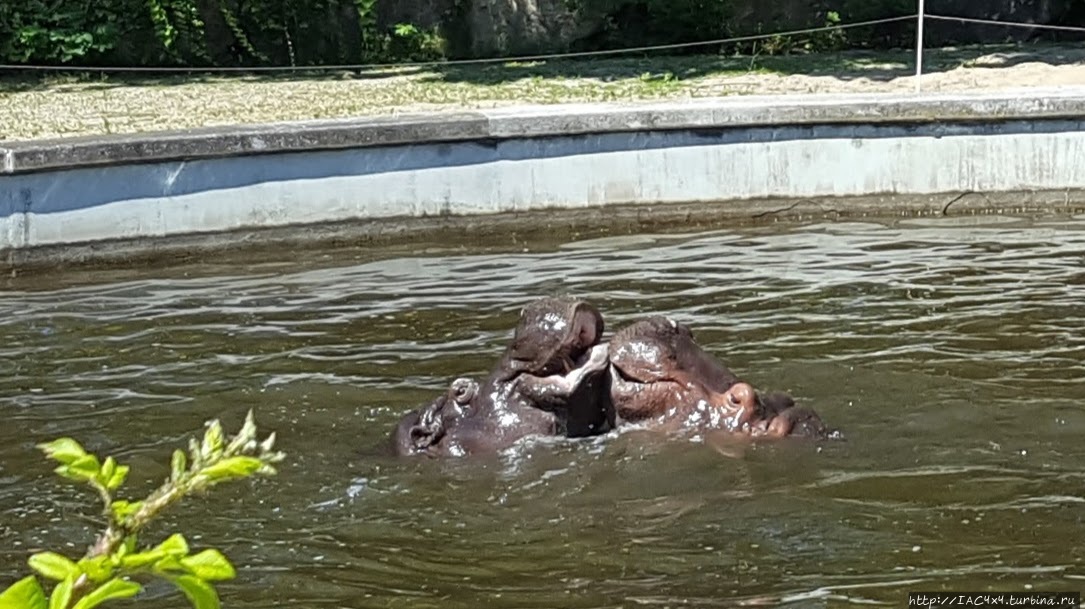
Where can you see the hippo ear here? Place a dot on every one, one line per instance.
(463, 390)
(683, 329)
(672, 326)
(545, 327)
(587, 325)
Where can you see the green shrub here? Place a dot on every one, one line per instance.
(206, 32)
(33, 31)
(408, 43)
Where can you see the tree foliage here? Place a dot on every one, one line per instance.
(239, 33)
(205, 32)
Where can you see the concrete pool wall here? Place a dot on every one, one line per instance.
(85, 199)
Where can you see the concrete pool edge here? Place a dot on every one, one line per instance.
(282, 242)
(536, 121)
(159, 195)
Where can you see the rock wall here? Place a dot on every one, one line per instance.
(488, 28)
(518, 27)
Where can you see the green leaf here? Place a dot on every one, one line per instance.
(167, 564)
(24, 594)
(65, 450)
(53, 565)
(123, 509)
(246, 435)
(108, 467)
(209, 565)
(174, 545)
(233, 467)
(65, 471)
(62, 594)
(200, 593)
(85, 467)
(98, 569)
(112, 589)
(142, 559)
(117, 479)
(177, 465)
(212, 440)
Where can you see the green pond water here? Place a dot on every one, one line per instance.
(949, 351)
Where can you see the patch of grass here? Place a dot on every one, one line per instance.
(73, 104)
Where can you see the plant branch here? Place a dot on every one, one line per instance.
(212, 461)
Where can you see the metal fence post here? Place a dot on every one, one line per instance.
(919, 46)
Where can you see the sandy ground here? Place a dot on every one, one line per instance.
(988, 72)
(87, 105)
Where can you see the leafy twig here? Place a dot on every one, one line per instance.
(104, 572)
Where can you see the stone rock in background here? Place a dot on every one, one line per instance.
(490, 28)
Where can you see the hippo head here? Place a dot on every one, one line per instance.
(770, 414)
(419, 430)
(554, 336)
(658, 372)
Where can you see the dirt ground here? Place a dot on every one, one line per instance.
(61, 106)
(989, 71)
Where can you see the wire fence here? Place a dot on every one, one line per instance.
(488, 60)
(919, 17)
(97, 110)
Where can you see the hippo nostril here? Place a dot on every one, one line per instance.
(733, 399)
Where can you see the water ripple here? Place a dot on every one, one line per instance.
(951, 351)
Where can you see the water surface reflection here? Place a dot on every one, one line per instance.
(950, 351)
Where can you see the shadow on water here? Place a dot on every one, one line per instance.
(949, 350)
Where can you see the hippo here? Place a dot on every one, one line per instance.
(551, 381)
(660, 376)
(421, 429)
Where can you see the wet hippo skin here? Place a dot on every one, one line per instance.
(421, 429)
(551, 380)
(660, 376)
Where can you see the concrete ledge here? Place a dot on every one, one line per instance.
(749, 159)
(539, 122)
(212, 142)
(279, 243)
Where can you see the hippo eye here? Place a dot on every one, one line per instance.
(625, 376)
